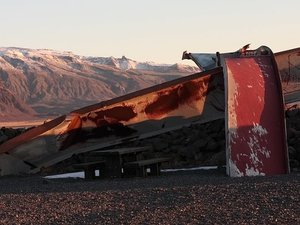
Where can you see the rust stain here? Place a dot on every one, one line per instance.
(113, 115)
(170, 99)
(107, 122)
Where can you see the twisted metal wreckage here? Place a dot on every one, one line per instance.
(242, 86)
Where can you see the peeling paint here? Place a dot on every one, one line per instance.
(250, 171)
(258, 129)
(257, 146)
(253, 143)
(234, 171)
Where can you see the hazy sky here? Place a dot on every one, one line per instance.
(149, 30)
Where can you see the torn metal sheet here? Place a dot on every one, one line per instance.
(196, 98)
(255, 132)
(205, 61)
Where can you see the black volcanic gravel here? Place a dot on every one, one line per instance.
(193, 197)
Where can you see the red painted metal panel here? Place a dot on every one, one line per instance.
(256, 136)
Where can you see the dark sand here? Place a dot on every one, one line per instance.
(190, 197)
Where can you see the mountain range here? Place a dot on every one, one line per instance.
(43, 83)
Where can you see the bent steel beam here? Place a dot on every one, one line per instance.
(205, 61)
(192, 99)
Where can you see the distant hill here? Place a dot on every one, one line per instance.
(12, 107)
(45, 83)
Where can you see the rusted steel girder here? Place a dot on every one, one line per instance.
(192, 99)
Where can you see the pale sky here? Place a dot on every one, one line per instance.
(152, 30)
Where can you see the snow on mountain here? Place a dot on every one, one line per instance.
(127, 64)
(45, 82)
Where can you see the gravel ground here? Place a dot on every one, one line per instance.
(189, 197)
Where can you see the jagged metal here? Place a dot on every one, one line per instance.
(205, 61)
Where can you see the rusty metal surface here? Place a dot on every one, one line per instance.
(193, 99)
(158, 108)
(256, 136)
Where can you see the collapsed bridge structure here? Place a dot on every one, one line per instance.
(244, 87)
